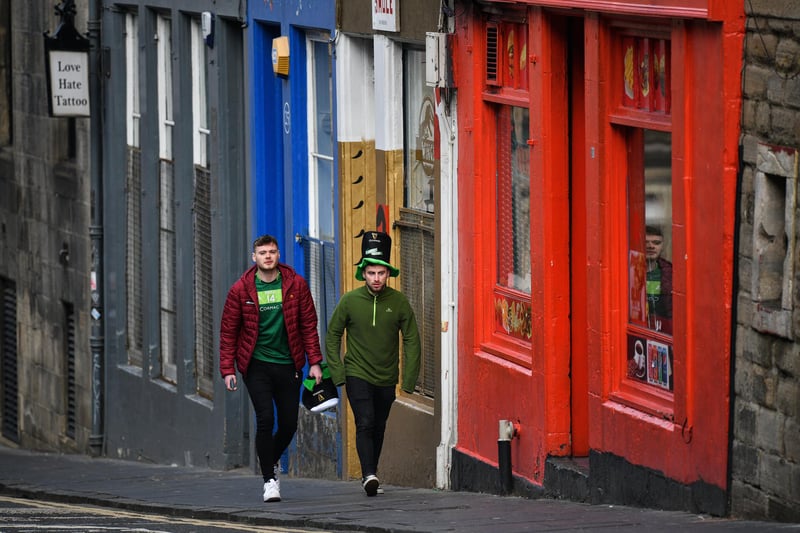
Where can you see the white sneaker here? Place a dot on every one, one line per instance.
(272, 491)
(371, 484)
(380, 490)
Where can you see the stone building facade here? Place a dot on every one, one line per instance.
(45, 247)
(765, 460)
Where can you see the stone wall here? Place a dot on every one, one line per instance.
(765, 473)
(44, 244)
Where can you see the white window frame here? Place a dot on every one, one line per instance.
(201, 132)
(166, 122)
(132, 116)
(314, 222)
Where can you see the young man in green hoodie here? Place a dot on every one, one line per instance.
(372, 316)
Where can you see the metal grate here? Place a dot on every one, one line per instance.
(133, 259)
(492, 57)
(203, 284)
(320, 271)
(418, 268)
(70, 398)
(8, 354)
(167, 273)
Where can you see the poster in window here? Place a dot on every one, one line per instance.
(637, 357)
(638, 287)
(660, 76)
(649, 361)
(643, 94)
(659, 365)
(629, 73)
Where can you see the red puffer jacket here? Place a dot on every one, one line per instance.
(239, 329)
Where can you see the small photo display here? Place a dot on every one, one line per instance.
(637, 358)
(659, 364)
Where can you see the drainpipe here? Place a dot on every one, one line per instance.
(96, 338)
(508, 430)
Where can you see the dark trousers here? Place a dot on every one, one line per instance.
(370, 405)
(273, 388)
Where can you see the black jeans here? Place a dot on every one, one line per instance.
(268, 384)
(370, 405)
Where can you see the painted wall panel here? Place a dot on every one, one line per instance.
(686, 444)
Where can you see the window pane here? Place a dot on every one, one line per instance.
(419, 122)
(513, 202)
(164, 82)
(658, 216)
(650, 255)
(132, 77)
(321, 144)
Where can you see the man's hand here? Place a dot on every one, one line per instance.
(315, 371)
(230, 382)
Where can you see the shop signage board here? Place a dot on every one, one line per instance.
(385, 15)
(69, 83)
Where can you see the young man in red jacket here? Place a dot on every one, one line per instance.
(268, 332)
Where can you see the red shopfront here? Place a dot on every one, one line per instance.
(597, 185)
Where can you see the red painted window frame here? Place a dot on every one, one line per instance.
(621, 118)
(506, 92)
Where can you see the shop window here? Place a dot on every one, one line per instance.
(419, 125)
(512, 299)
(321, 182)
(773, 231)
(506, 91)
(319, 249)
(513, 199)
(642, 92)
(650, 257)
(417, 223)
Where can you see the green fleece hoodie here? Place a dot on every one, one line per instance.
(372, 323)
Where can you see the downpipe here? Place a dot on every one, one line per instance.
(96, 335)
(507, 431)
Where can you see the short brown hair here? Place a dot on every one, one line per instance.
(653, 230)
(265, 239)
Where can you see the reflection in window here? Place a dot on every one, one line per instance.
(419, 123)
(513, 202)
(650, 254)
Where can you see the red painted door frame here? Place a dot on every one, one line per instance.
(579, 289)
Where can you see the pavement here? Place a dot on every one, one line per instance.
(326, 505)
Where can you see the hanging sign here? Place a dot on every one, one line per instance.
(385, 16)
(67, 58)
(69, 83)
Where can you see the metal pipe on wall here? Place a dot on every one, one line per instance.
(507, 431)
(97, 337)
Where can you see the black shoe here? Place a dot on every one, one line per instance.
(371, 484)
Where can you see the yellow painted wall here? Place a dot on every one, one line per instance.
(361, 190)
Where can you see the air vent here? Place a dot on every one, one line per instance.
(8, 359)
(492, 67)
